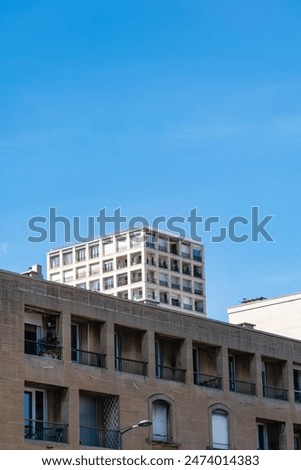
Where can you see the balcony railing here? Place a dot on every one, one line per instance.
(187, 306)
(206, 380)
(274, 392)
(150, 245)
(97, 437)
(170, 373)
(187, 289)
(39, 348)
(45, 431)
(239, 386)
(88, 358)
(131, 366)
(175, 285)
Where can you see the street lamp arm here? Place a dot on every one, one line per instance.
(142, 424)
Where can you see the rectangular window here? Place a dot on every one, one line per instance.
(297, 385)
(95, 285)
(67, 258)
(108, 247)
(220, 434)
(81, 254)
(54, 261)
(94, 251)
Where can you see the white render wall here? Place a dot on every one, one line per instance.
(278, 315)
(145, 265)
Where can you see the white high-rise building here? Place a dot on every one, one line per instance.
(146, 265)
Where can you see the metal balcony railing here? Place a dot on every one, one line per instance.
(45, 431)
(131, 366)
(88, 358)
(206, 380)
(98, 437)
(170, 373)
(38, 348)
(239, 386)
(275, 392)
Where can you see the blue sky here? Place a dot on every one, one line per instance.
(156, 108)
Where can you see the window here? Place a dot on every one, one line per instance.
(95, 285)
(108, 247)
(197, 254)
(68, 275)
(34, 413)
(121, 244)
(268, 435)
(220, 430)
(108, 283)
(82, 285)
(54, 261)
(81, 254)
(56, 277)
(81, 272)
(94, 269)
(108, 265)
(160, 419)
(94, 251)
(297, 384)
(68, 258)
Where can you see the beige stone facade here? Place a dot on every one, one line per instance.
(78, 366)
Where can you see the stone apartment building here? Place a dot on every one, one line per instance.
(79, 368)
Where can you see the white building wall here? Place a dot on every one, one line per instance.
(279, 315)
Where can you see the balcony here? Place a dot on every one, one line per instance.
(131, 366)
(187, 306)
(45, 431)
(43, 348)
(187, 289)
(206, 380)
(170, 373)
(163, 283)
(175, 285)
(162, 248)
(275, 392)
(88, 358)
(174, 267)
(150, 245)
(240, 386)
(163, 264)
(97, 437)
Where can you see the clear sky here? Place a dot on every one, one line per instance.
(156, 108)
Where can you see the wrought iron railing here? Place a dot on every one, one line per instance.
(211, 381)
(45, 431)
(88, 358)
(39, 348)
(131, 366)
(170, 373)
(275, 392)
(239, 386)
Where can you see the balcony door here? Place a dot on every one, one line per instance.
(34, 412)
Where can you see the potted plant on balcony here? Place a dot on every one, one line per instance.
(49, 346)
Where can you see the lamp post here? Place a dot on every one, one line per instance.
(142, 424)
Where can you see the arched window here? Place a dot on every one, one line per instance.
(161, 421)
(220, 429)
